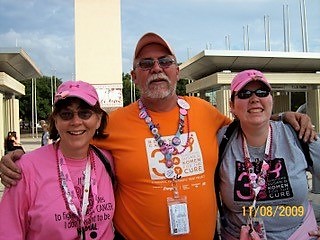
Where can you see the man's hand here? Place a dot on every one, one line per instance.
(315, 233)
(302, 123)
(9, 172)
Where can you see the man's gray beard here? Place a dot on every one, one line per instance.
(159, 93)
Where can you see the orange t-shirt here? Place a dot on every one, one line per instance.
(141, 198)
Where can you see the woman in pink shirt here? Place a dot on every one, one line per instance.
(65, 191)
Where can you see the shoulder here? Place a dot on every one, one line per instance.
(221, 132)
(123, 110)
(197, 101)
(40, 158)
(105, 153)
(283, 130)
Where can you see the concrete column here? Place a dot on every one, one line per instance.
(281, 103)
(11, 111)
(313, 111)
(223, 97)
(2, 132)
(203, 94)
(313, 107)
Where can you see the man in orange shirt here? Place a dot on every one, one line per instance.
(165, 153)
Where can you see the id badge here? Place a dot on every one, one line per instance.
(178, 215)
(258, 226)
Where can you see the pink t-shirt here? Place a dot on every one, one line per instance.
(36, 209)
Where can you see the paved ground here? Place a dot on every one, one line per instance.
(30, 143)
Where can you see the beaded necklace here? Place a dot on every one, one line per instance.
(257, 181)
(69, 194)
(168, 149)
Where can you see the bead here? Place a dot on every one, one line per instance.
(261, 182)
(183, 111)
(157, 137)
(252, 176)
(148, 119)
(143, 114)
(164, 149)
(182, 103)
(154, 130)
(169, 163)
(167, 149)
(265, 166)
(160, 142)
(169, 173)
(176, 141)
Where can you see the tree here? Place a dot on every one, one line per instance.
(43, 93)
(126, 90)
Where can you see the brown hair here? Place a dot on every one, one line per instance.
(64, 103)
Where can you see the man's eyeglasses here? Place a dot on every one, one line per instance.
(148, 63)
(261, 93)
(67, 115)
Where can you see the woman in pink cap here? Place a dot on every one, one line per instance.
(65, 191)
(263, 182)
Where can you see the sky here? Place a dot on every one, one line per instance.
(45, 28)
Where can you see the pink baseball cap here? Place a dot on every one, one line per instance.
(78, 89)
(244, 77)
(150, 38)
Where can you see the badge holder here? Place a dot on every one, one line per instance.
(255, 226)
(178, 213)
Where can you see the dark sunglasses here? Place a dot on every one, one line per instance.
(261, 93)
(84, 114)
(148, 63)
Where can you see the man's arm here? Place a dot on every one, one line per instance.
(9, 172)
(300, 122)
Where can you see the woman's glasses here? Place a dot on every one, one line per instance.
(261, 93)
(84, 114)
(148, 63)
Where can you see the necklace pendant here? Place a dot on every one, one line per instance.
(183, 111)
(163, 148)
(154, 131)
(261, 182)
(169, 173)
(182, 103)
(176, 141)
(143, 114)
(169, 163)
(148, 120)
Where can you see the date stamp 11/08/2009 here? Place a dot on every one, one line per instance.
(273, 211)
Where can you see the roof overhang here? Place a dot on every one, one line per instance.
(16, 63)
(208, 62)
(279, 81)
(9, 86)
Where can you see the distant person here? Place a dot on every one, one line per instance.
(65, 191)
(12, 142)
(45, 137)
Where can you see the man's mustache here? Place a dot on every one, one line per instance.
(158, 76)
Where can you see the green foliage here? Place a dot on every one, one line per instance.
(126, 90)
(181, 87)
(43, 93)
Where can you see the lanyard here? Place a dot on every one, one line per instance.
(258, 180)
(71, 198)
